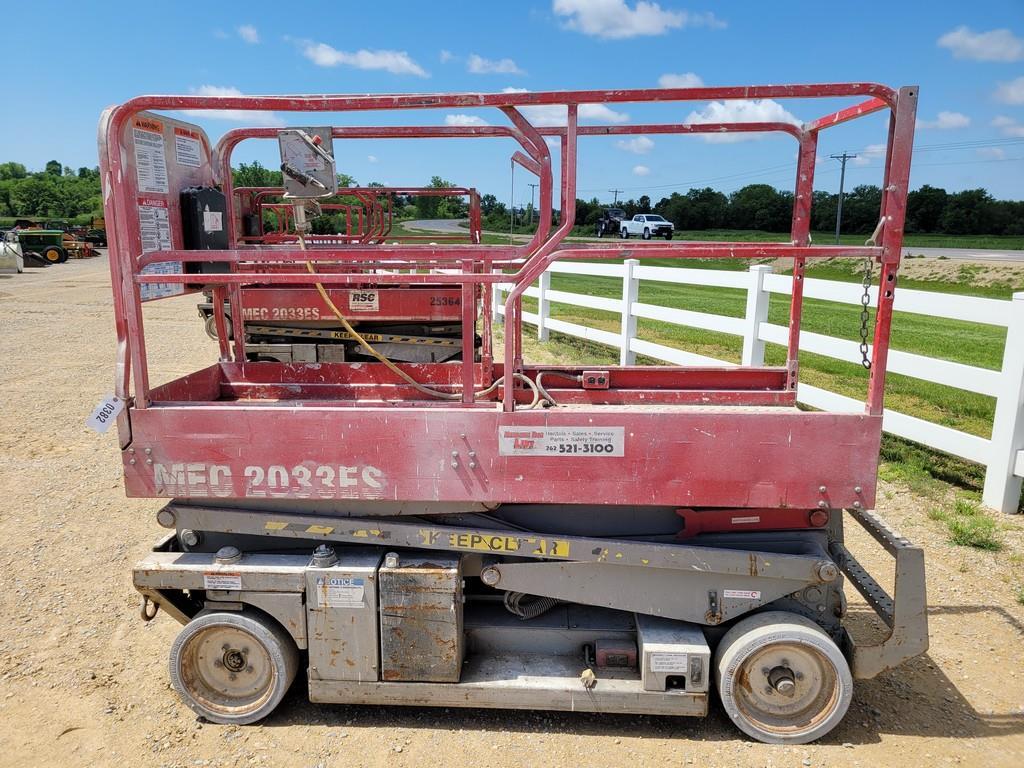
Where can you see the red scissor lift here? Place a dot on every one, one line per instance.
(410, 324)
(487, 532)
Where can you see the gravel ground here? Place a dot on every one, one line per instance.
(84, 682)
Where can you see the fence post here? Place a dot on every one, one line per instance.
(630, 291)
(496, 303)
(1006, 463)
(757, 313)
(543, 305)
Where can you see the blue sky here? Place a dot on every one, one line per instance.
(968, 59)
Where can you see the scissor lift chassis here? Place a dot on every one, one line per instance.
(425, 533)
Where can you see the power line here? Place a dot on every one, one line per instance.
(616, 193)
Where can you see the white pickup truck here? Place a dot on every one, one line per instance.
(647, 225)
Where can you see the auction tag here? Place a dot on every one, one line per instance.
(104, 414)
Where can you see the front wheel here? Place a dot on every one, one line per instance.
(600, 231)
(668, 235)
(647, 234)
(233, 668)
(781, 679)
(55, 254)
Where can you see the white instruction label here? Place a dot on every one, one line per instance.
(226, 581)
(150, 160)
(669, 662)
(105, 414)
(742, 594)
(364, 301)
(213, 221)
(561, 441)
(341, 592)
(155, 229)
(188, 149)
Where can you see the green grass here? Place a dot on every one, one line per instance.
(968, 525)
(968, 343)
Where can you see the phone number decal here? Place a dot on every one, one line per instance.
(561, 441)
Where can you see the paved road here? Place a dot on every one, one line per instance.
(446, 226)
(450, 226)
(974, 254)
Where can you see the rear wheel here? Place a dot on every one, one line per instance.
(54, 254)
(781, 678)
(624, 233)
(233, 667)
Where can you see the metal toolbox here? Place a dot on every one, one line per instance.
(421, 636)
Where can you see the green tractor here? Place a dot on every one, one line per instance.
(47, 243)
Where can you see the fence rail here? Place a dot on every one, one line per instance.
(1002, 454)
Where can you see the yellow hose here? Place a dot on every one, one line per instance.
(390, 365)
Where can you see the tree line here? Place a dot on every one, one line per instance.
(761, 206)
(59, 191)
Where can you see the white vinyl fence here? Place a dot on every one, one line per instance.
(1002, 455)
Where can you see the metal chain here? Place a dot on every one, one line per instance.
(865, 303)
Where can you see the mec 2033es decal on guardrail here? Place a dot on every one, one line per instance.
(303, 481)
(561, 441)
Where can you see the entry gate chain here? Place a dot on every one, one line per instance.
(865, 299)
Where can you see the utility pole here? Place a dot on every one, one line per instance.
(512, 203)
(533, 188)
(842, 179)
(616, 193)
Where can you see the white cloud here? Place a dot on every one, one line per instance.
(371, 158)
(445, 56)
(257, 117)
(684, 80)
(1011, 92)
(478, 65)
(997, 45)
(869, 153)
(1008, 126)
(249, 33)
(614, 19)
(991, 153)
(946, 121)
(641, 170)
(740, 111)
(464, 120)
(395, 62)
(641, 145)
(546, 115)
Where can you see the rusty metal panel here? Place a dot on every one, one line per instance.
(421, 637)
(341, 617)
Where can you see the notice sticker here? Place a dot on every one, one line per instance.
(561, 441)
(742, 594)
(188, 148)
(231, 582)
(213, 221)
(364, 301)
(669, 662)
(341, 592)
(150, 160)
(105, 414)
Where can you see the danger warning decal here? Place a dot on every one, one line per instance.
(561, 441)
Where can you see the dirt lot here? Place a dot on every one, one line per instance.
(84, 682)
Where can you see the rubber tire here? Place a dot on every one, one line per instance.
(60, 257)
(624, 233)
(210, 326)
(761, 629)
(280, 647)
(647, 234)
(668, 236)
(600, 232)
